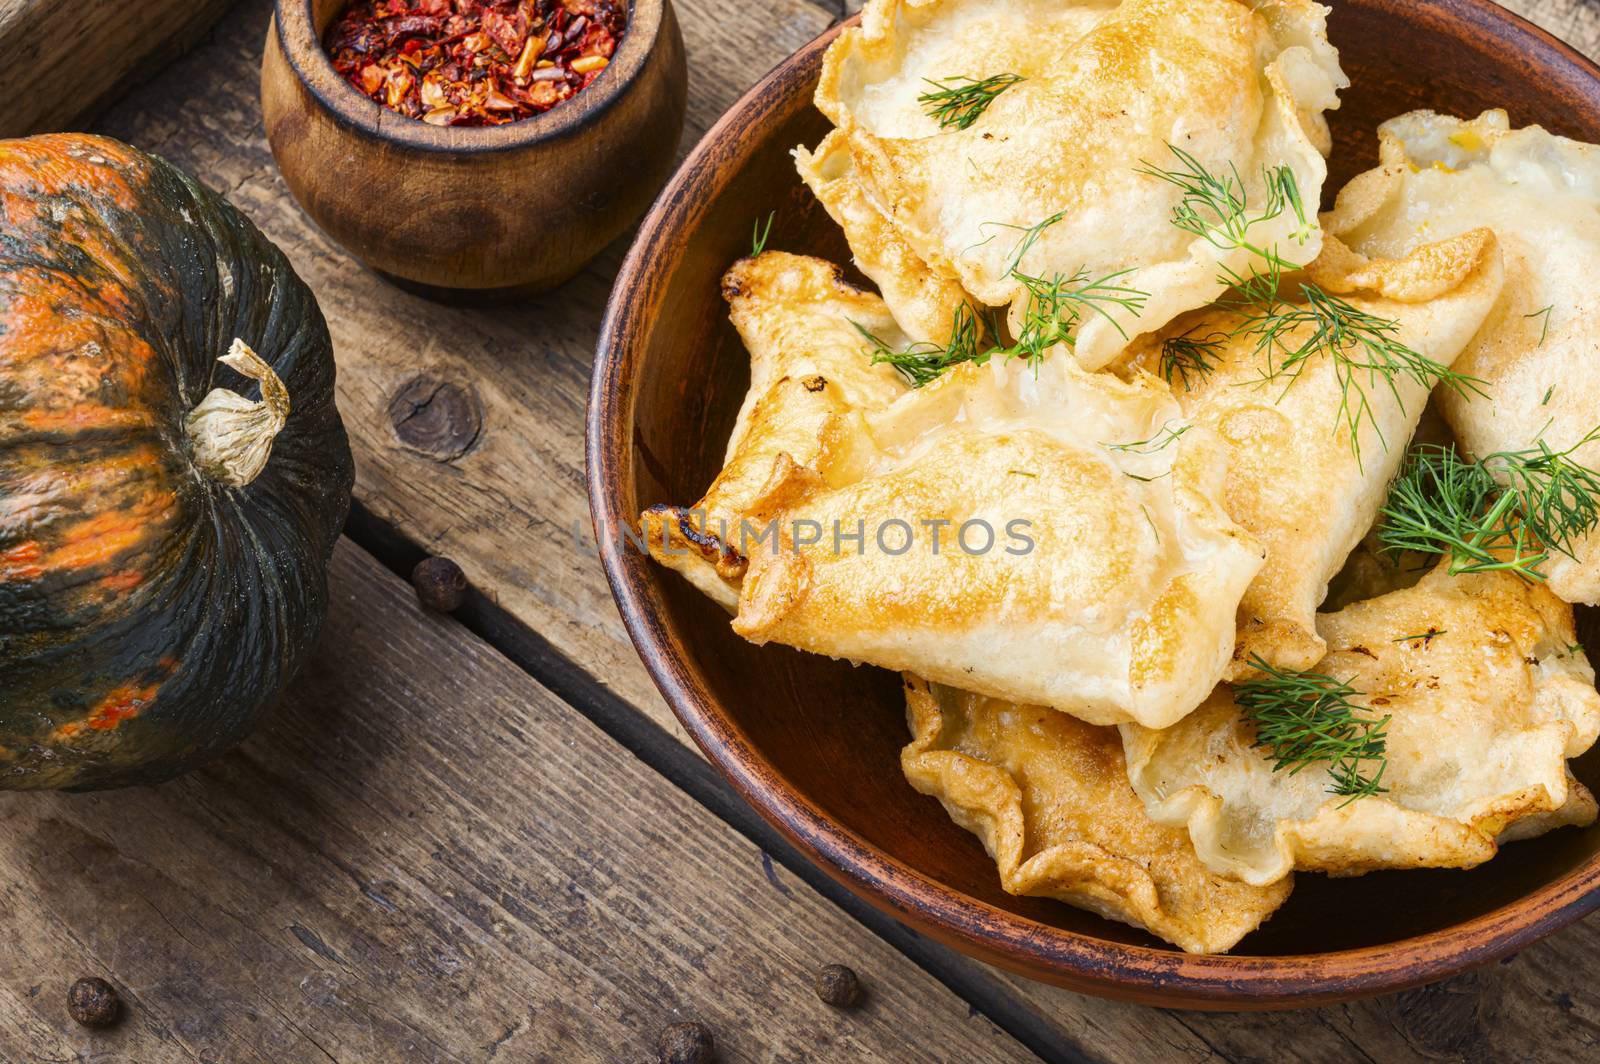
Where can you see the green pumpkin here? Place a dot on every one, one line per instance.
(166, 517)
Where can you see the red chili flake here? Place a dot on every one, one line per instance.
(474, 62)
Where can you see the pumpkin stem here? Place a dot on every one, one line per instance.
(230, 437)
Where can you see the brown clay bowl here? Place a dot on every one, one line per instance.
(813, 744)
(475, 214)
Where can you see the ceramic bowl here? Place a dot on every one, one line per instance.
(814, 744)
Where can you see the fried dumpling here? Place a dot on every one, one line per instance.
(876, 75)
(924, 302)
(1047, 181)
(903, 46)
(1440, 176)
(978, 537)
(1049, 797)
(1311, 455)
(808, 379)
(1487, 696)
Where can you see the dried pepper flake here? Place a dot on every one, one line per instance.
(474, 62)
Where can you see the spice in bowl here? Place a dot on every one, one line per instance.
(474, 62)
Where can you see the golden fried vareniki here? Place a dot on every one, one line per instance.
(1049, 797)
(1311, 455)
(1488, 696)
(903, 48)
(876, 75)
(808, 378)
(923, 302)
(1083, 563)
(1239, 86)
(1440, 176)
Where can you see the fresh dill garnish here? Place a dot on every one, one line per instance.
(1055, 309)
(1366, 351)
(1505, 512)
(1186, 354)
(759, 234)
(924, 363)
(1444, 504)
(957, 102)
(1306, 718)
(1544, 333)
(1427, 637)
(1159, 442)
(1548, 392)
(1030, 236)
(1257, 294)
(1152, 522)
(1217, 209)
(1057, 306)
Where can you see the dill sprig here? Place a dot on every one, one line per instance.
(1217, 209)
(956, 103)
(1306, 718)
(1544, 331)
(759, 235)
(1057, 306)
(1365, 349)
(1505, 512)
(1159, 442)
(924, 363)
(1444, 504)
(1025, 243)
(1151, 521)
(1187, 353)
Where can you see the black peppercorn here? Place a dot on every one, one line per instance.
(838, 986)
(440, 584)
(686, 1043)
(93, 1002)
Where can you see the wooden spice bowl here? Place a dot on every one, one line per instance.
(814, 744)
(476, 214)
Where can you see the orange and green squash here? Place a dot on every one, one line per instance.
(173, 470)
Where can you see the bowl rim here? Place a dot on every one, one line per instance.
(294, 24)
(1079, 961)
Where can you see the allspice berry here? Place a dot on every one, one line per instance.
(440, 584)
(686, 1043)
(838, 986)
(93, 1002)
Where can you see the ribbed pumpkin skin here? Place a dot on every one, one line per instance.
(148, 614)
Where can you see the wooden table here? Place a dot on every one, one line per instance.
(485, 837)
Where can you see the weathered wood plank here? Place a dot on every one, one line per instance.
(508, 505)
(425, 856)
(1575, 21)
(63, 60)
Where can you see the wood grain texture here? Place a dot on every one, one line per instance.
(63, 60)
(1575, 21)
(425, 856)
(507, 507)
